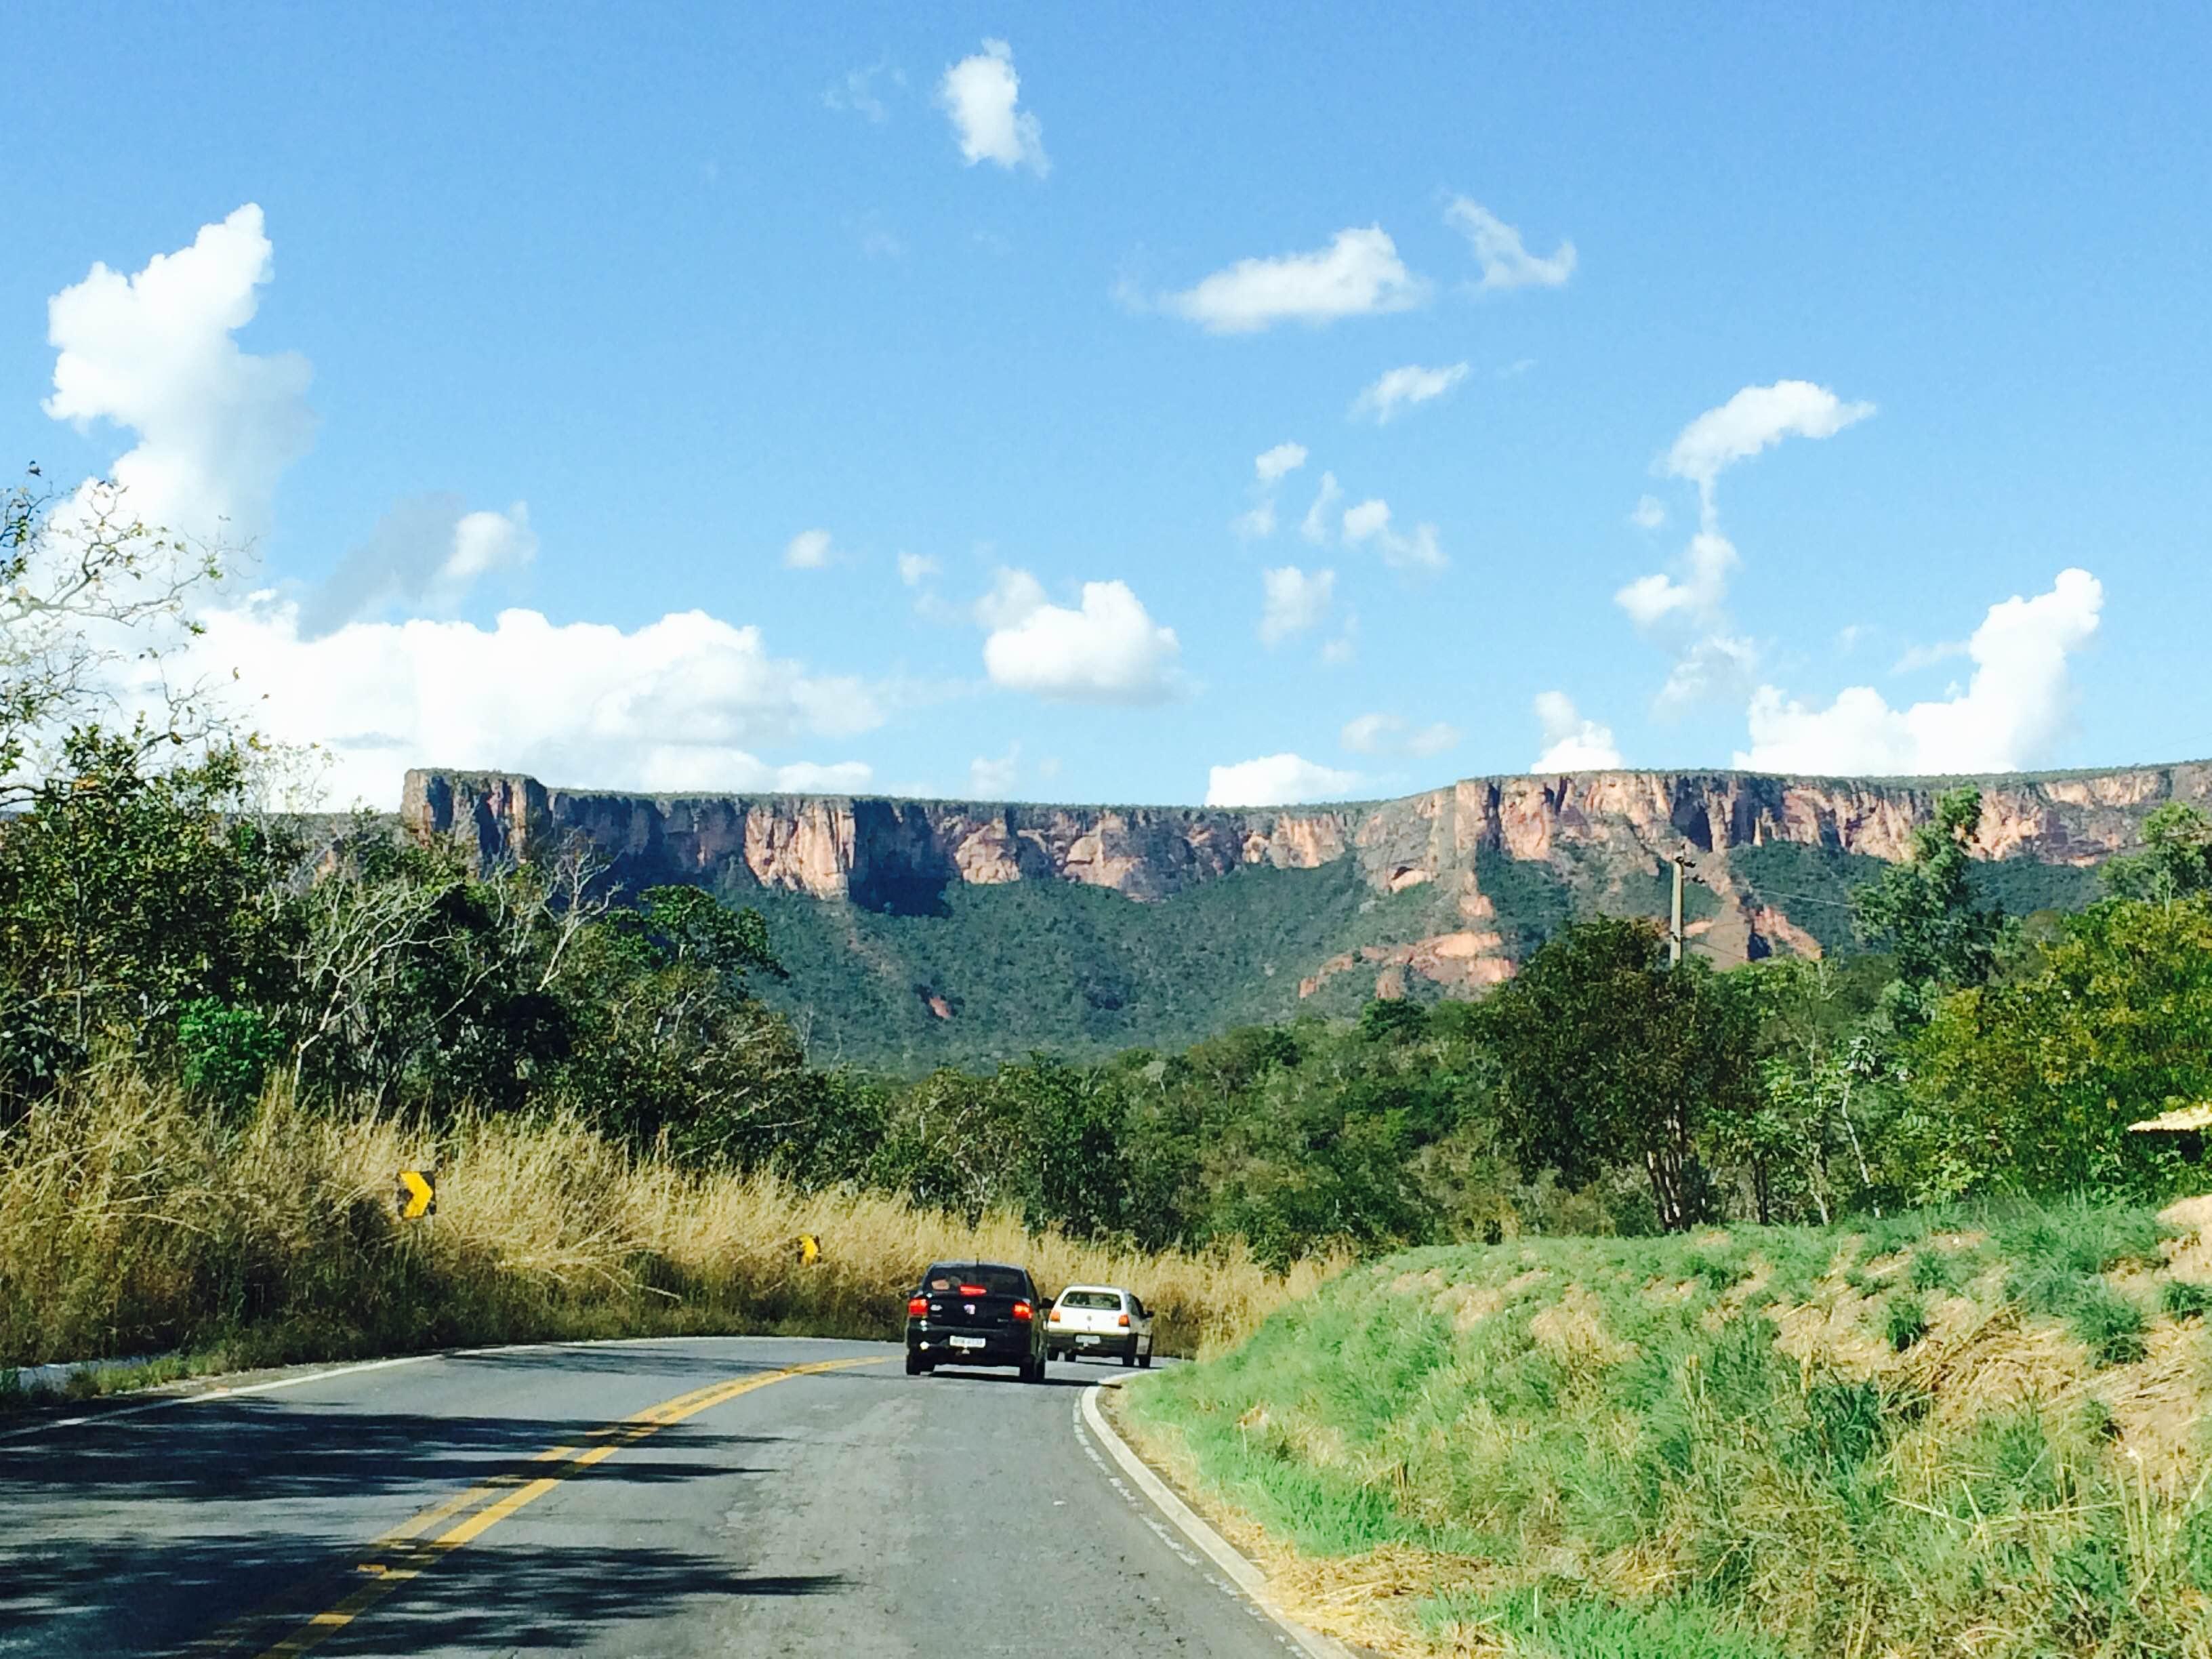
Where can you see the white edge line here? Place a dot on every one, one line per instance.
(1241, 1573)
(226, 1392)
(222, 1392)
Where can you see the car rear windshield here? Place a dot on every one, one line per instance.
(1110, 1300)
(949, 1276)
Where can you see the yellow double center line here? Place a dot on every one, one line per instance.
(411, 1548)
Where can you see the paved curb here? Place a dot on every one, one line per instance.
(1224, 1554)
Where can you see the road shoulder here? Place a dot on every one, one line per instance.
(1194, 1526)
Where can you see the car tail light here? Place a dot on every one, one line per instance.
(1123, 1319)
(1053, 1318)
(973, 1290)
(916, 1306)
(1023, 1311)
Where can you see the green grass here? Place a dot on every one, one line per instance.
(1774, 1441)
(1906, 1321)
(2185, 1298)
(2062, 1255)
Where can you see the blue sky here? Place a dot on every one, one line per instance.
(563, 336)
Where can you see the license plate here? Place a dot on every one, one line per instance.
(1084, 1341)
(967, 1342)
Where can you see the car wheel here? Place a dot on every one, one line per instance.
(1145, 1359)
(1130, 1358)
(1034, 1373)
(914, 1365)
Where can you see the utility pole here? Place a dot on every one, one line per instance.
(1680, 861)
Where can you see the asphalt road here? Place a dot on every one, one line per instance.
(689, 1497)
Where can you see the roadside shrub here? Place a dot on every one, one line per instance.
(224, 1054)
(1933, 1270)
(1906, 1320)
(2185, 1298)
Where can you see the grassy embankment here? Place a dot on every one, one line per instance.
(130, 1224)
(1942, 1434)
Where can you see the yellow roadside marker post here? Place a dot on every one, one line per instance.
(418, 1194)
(810, 1250)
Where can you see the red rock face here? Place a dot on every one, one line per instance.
(873, 850)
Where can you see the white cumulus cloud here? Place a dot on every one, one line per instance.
(990, 779)
(1756, 418)
(1314, 525)
(978, 95)
(1650, 513)
(1014, 594)
(685, 702)
(1915, 658)
(1712, 666)
(1277, 781)
(1506, 263)
(1399, 389)
(1342, 650)
(1699, 593)
(916, 568)
(1295, 600)
(154, 352)
(1358, 275)
(1687, 608)
(1393, 734)
(809, 550)
(1369, 521)
(2011, 713)
(1269, 468)
(1108, 650)
(1257, 522)
(428, 551)
(856, 94)
(1572, 744)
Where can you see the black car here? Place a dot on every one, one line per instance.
(975, 1313)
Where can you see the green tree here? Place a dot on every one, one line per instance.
(1393, 1020)
(86, 588)
(1803, 1147)
(664, 1037)
(225, 1053)
(1924, 912)
(2176, 862)
(2029, 1087)
(955, 1144)
(126, 894)
(421, 982)
(691, 929)
(1070, 1128)
(1607, 1057)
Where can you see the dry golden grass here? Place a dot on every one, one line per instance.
(129, 1224)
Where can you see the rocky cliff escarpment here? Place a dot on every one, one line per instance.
(891, 855)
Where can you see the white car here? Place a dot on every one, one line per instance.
(1099, 1319)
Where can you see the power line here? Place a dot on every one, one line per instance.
(1799, 898)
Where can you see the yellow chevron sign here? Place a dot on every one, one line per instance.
(418, 1194)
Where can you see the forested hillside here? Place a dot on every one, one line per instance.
(927, 933)
(993, 973)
